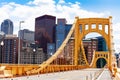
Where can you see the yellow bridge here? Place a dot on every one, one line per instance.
(71, 55)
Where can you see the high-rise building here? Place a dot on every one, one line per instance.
(10, 49)
(117, 55)
(101, 44)
(45, 31)
(7, 26)
(27, 35)
(62, 30)
(90, 45)
(50, 49)
(97, 44)
(32, 56)
(67, 29)
(2, 36)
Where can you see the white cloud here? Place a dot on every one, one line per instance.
(41, 2)
(33, 9)
(116, 36)
(28, 13)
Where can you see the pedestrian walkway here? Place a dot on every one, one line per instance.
(105, 75)
(84, 74)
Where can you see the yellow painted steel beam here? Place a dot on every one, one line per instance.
(78, 36)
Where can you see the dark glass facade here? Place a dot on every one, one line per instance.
(7, 26)
(45, 31)
(67, 29)
(62, 30)
(50, 49)
(101, 44)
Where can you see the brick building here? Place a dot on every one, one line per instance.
(90, 45)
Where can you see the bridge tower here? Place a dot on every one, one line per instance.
(87, 25)
(72, 56)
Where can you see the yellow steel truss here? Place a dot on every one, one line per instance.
(79, 30)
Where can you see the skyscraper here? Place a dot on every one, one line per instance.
(90, 45)
(45, 31)
(2, 36)
(7, 26)
(62, 29)
(101, 44)
(10, 49)
(50, 49)
(27, 35)
(60, 32)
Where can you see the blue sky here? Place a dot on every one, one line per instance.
(91, 5)
(100, 3)
(95, 5)
(16, 1)
(84, 3)
(28, 10)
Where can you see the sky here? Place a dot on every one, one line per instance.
(28, 10)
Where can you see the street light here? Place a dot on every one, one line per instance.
(19, 42)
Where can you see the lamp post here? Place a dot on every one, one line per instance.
(19, 42)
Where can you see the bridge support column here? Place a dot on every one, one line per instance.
(76, 42)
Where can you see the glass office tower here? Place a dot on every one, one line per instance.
(45, 31)
(7, 26)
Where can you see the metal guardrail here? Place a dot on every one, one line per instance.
(117, 77)
(97, 74)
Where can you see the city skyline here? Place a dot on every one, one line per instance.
(28, 10)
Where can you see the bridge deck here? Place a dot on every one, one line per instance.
(105, 75)
(84, 74)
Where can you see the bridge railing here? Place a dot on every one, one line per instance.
(60, 57)
(97, 74)
(117, 77)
